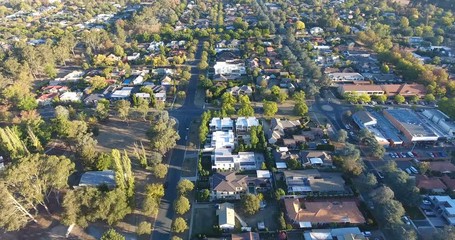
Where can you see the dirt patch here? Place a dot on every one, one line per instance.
(119, 134)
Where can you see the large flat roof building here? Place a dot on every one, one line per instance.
(411, 125)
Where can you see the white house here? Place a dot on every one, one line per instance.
(230, 68)
(226, 216)
(133, 57)
(121, 94)
(221, 139)
(70, 96)
(221, 124)
(244, 124)
(316, 30)
(223, 159)
(155, 46)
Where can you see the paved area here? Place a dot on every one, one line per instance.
(184, 115)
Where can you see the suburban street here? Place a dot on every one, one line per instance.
(184, 115)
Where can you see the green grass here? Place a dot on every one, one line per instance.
(414, 212)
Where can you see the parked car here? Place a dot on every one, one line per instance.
(429, 212)
(426, 202)
(410, 154)
(406, 220)
(408, 171)
(414, 170)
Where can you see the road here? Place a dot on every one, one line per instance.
(184, 116)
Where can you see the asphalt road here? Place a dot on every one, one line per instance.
(184, 116)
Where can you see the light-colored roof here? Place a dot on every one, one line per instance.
(263, 174)
(226, 214)
(97, 178)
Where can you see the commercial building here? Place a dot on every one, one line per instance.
(345, 77)
(391, 90)
(411, 125)
(441, 121)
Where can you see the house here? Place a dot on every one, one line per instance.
(142, 96)
(279, 128)
(223, 159)
(46, 99)
(442, 167)
(244, 124)
(222, 139)
(93, 99)
(160, 96)
(55, 89)
(316, 30)
(345, 77)
(227, 185)
(315, 158)
(348, 233)
(242, 90)
(71, 97)
(133, 57)
(166, 82)
(306, 214)
(245, 236)
(98, 178)
(226, 216)
(311, 180)
(446, 206)
(121, 94)
(234, 67)
(431, 184)
(221, 124)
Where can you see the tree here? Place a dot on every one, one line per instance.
(381, 98)
(181, 95)
(270, 108)
(184, 186)
(250, 203)
(102, 109)
(203, 65)
(245, 107)
(382, 195)
(179, 225)
(342, 135)
(430, 97)
(399, 99)
(162, 134)
(279, 193)
(123, 108)
(204, 195)
(299, 25)
(111, 234)
(279, 95)
(159, 170)
(300, 109)
(155, 158)
(144, 228)
(98, 82)
(154, 192)
(448, 232)
(181, 205)
(349, 159)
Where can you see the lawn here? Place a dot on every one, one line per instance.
(203, 221)
(414, 212)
